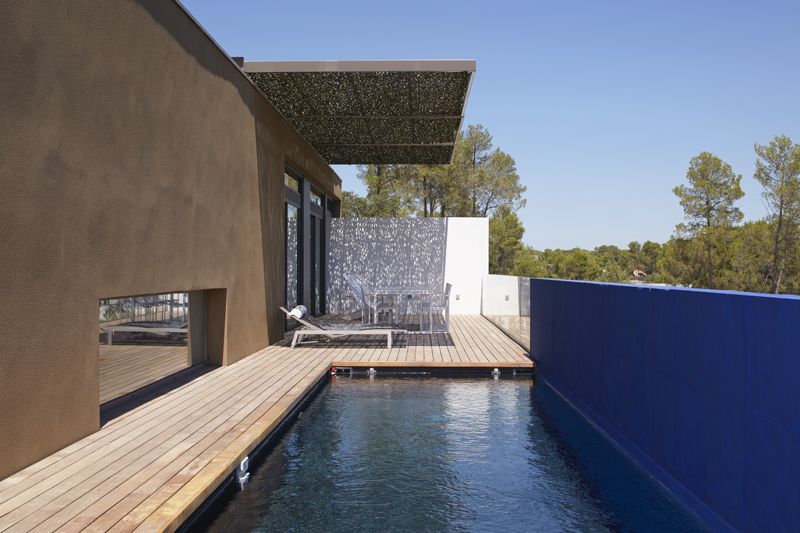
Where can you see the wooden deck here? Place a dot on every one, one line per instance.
(125, 368)
(149, 469)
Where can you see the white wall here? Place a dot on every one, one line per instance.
(500, 295)
(466, 263)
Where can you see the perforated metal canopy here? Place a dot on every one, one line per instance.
(371, 112)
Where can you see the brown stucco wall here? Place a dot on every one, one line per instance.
(135, 158)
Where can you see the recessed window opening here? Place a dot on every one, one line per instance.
(143, 339)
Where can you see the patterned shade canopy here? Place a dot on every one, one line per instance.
(371, 112)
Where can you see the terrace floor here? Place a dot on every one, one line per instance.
(125, 368)
(150, 468)
(516, 327)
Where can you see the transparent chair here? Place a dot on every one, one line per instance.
(373, 307)
(440, 303)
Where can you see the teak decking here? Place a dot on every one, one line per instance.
(124, 369)
(149, 469)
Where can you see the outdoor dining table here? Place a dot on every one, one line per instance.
(421, 294)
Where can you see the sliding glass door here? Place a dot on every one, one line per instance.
(315, 237)
(292, 256)
(316, 250)
(305, 244)
(293, 220)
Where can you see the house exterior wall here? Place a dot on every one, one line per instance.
(136, 159)
(699, 386)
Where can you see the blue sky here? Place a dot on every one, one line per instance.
(601, 104)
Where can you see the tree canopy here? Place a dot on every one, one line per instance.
(506, 239)
(480, 179)
(711, 247)
(708, 206)
(778, 172)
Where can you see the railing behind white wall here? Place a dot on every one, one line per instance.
(506, 295)
(505, 301)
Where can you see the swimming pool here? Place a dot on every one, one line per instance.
(397, 453)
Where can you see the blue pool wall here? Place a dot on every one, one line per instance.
(701, 388)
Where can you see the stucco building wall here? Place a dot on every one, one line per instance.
(136, 159)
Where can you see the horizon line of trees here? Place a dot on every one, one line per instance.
(711, 247)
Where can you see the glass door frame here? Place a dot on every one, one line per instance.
(317, 263)
(293, 198)
(314, 213)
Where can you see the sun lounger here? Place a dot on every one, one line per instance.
(110, 330)
(313, 327)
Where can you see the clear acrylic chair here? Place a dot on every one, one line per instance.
(440, 303)
(373, 307)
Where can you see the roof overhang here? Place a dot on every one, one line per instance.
(371, 112)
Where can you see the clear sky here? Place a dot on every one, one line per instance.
(601, 103)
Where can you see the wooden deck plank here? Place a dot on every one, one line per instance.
(455, 353)
(478, 334)
(470, 350)
(443, 341)
(116, 434)
(432, 348)
(149, 469)
(191, 494)
(106, 461)
(479, 340)
(125, 368)
(427, 349)
(493, 339)
(187, 451)
(138, 505)
(133, 420)
(122, 361)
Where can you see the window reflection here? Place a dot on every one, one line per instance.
(142, 340)
(291, 182)
(292, 270)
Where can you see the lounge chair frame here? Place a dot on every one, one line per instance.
(311, 330)
(110, 330)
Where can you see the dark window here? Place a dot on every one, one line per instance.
(291, 182)
(292, 255)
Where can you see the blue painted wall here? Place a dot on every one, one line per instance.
(701, 387)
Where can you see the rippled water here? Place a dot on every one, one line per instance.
(428, 454)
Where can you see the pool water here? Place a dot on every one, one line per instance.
(428, 454)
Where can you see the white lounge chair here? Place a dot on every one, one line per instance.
(313, 327)
(110, 330)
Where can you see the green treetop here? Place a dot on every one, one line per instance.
(778, 171)
(708, 206)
